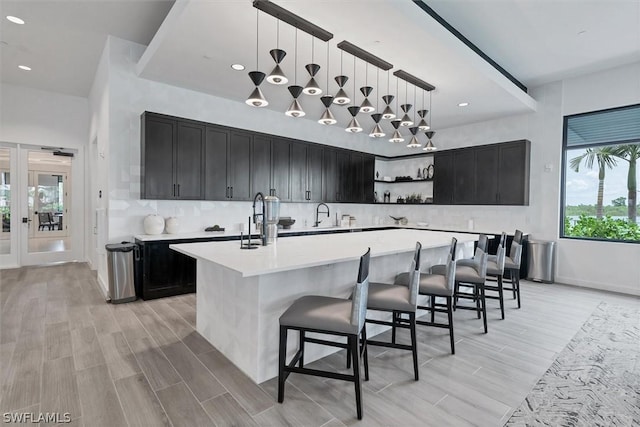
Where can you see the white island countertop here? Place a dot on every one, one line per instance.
(308, 251)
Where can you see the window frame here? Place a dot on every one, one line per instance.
(563, 178)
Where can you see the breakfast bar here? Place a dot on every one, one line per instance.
(242, 293)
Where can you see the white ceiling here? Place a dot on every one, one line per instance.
(536, 41)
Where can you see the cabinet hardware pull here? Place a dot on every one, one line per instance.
(174, 190)
(231, 192)
(226, 193)
(178, 190)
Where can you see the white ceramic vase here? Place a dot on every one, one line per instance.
(153, 224)
(172, 224)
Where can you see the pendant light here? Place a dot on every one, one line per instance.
(295, 109)
(423, 125)
(406, 120)
(312, 87)
(256, 98)
(414, 143)
(397, 136)
(377, 131)
(276, 76)
(353, 126)
(388, 113)
(341, 97)
(429, 146)
(327, 117)
(366, 106)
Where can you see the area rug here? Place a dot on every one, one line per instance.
(595, 381)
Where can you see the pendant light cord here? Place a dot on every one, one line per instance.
(295, 61)
(257, 39)
(377, 88)
(414, 104)
(327, 67)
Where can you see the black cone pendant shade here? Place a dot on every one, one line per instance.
(341, 97)
(377, 131)
(295, 109)
(327, 117)
(429, 145)
(276, 76)
(414, 141)
(312, 87)
(388, 113)
(256, 99)
(423, 125)
(397, 136)
(406, 120)
(354, 126)
(366, 106)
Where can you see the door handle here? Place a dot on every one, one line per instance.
(26, 220)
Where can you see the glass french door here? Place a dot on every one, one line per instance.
(47, 198)
(8, 241)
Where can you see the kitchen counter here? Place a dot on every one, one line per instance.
(242, 293)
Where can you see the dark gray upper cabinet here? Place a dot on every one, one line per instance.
(216, 149)
(330, 176)
(172, 158)
(280, 172)
(261, 165)
(239, 166)
(496, 174)
(306, 172)
(314, 173)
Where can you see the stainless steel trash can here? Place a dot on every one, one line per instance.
(121, 271)
(541, 261)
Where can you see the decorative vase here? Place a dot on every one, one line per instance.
(172, 225)
(153, 224)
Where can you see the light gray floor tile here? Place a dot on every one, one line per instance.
(140, 404)
(182, 407)
(100, 403)
(154, 364)
(225, 411)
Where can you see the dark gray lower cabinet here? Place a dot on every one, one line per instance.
(164, 272)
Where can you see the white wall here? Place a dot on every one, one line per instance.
(129, 96)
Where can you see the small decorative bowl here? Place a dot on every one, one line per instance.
(286, 223)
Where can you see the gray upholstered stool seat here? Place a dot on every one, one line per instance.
(434, 284)
(320, 312)
(383, 296)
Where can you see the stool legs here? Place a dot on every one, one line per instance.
(414, 342)
(484, 307)
(282, 363)
(354, 345)
(501, 296)
(450, 317)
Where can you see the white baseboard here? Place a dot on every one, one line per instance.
(597, 285)
(103, 287)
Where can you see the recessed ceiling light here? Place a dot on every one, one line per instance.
(463, 104)
(237, 67)
(15, 20)
(24, 67)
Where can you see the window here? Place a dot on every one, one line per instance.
(599, 190)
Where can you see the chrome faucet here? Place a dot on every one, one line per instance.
(317, 222)
(263, 231)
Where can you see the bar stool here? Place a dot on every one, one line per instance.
(512, 266)
(436, 285)
(495, 269)
(398, 299)
(333, 316)
(474, 274)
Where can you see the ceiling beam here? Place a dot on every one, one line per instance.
(292, 19)
(364, 55)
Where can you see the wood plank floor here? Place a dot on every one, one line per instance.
(63, 349)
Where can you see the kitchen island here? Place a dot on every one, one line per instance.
(242, 293)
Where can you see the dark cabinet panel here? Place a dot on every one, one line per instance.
(314, 173)
(157, 153)
(239, 166)
(330, 175)
(165, 272)
(443, 179)
(368, 178)
(189, 161)
(261, 166)
(513, 174)
(343, 165)
(216, 148)
(355, 189)
(486, 186)
(464, 169)
(298, 172)
(281, 159)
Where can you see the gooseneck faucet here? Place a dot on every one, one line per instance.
(318, 212)
(263, 231)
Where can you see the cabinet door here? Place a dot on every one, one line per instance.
(166, 272)
(281, 158)
(189, 161)
(261, 166)
(239, 166)
(443, 178)
(330, 175)
(215, 164)
(356, 188)
(368, 178)
(513, 174)
(344, 189)
(465, 172)
(157, 148)
(298, 172)
(314, 173)
(486, 175)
